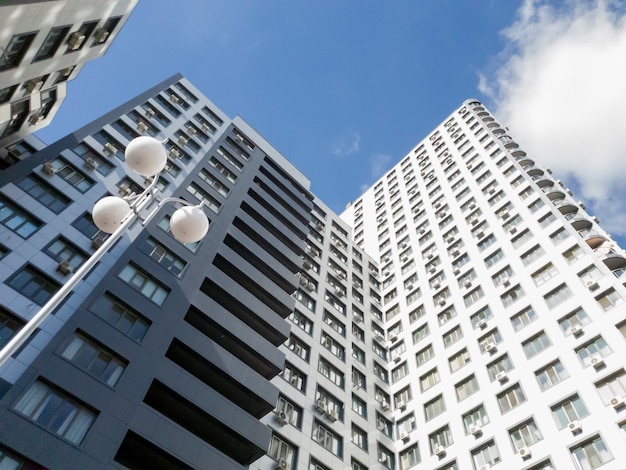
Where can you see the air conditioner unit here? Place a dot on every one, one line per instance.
(124, 190)
(142, 127)
(475, 430)
(525, 453)
(512, 230)
(409, 286)
(309, 286)
(206, 127)
(474, 221)
(307, 264)
(482, 323)
(182, 140)
(490, 347)
(386, 273)
(65, 267)
(472, 205)
(576, 330)
(617, 402)
(339, 291)
(393, 337)
(282, 465)
(480, 235)
(400, 405)
(91, 164)
(592, 285)
(174, 99)
(75, 41)
(405, 258)
(575, 426)
(405, 436)
(397, 358)
(456, 271)
(191, 130)
(456, 252)
(431, 255)
(442, 302)
(439, 451)
(383, 458)
(109, 149)
(596, 361)
(342, 275)
(501, 376)
(101, 36)
(33, 86)
(467, 284)
(505, 281)
(48, 168)
(98, 240)
(281, 417)
(320, 405)
(174, 153)
(450, 239)
(492, 190)
(384, 405)
(150, 113)
(332, 415)
(422, 231)
(436, 285)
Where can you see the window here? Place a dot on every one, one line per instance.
(281, 451)
(62, 250)
(544, 274)
(536, 344)
(429, 379)
(331, 372)
(56, 411)
(434, 407)
(475, 419)
(75, 43)
(16, 50)
(421, 333)
(613, 387)
(44, 193)
(292, 412)
(609, 299)
(162, 255)
(459, 360)
(558, 236)
(71, 175)
(523, 318)
(334, 323)
(94, 359)
(440, 439)
(551, 375)
(494, 258)
(591, 454)
(302, 322)
(485, 455)
(466, 387)
(510, 398)
(294, 376)
(424, 355)
(121, 316)
(573, 254)
(501, 365)
(298, 347)
(557, 296)
(17, 220)
(480, 318)
(143, 283)
(473, 297)
(335, 348)
(489, 341)
(93, 160)
(574, 321)
(359, 406)
(452, 336)
(327, 439)
(409, 457)
(569, 410)
(590, 352)
(33, 284)
(512, 295)
(533, 254)
(359, 437)
(525, 435)
(8, 326)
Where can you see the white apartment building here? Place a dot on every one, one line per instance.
(486, 329)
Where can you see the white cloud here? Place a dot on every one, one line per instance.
(379, 164)
(561, 87)
(347, 146)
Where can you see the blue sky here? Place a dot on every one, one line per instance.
(344, 89)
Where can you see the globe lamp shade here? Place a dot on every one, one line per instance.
(146, 156)
(109, 212)
(189, 224)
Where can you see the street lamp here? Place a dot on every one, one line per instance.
(147, 157)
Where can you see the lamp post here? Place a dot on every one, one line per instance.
(147, 157)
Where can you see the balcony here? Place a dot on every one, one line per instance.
(581, 223)
(595, 240)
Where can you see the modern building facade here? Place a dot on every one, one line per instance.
(43, 45)
(163, 355)
(464, 313)
(489, 331)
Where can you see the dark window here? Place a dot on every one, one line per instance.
(8, 326)
(17, 219)
(76, 40)
(16, 50)
(51, 44)
(121, 316)
(7, 93)
(33, 284)
(103, 34)
(46, 194)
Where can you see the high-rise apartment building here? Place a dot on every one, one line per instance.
(43, 45)
(489, 332)
(464, 313)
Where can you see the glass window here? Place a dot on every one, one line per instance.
(593, 351)
(434, 407)
(591, 454)
(71, 175)
(409, 457)
(551, 375)
(570, 410)
(459, 360)
(8, 326)
(466, 387)
(523, 318)
(485, 455)
(62, 250)
(294, 376)
(609, 299)
(439, 440)
(17, 220)
(33, 284)
(164, 256)
(44, 193)
(15, 50)
(510, 398)
(56, 412)
(475, 419)
(525, 435)
(612, 389)
(557, 296)
(121, 316)
(429, 379)
(146, 285)
(501, 365)
(536, 344)
(327, 438)
(282, 451)
(94, 359)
